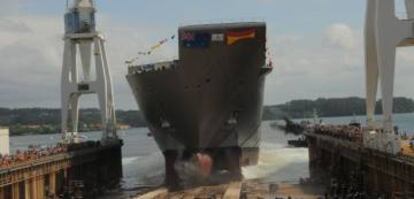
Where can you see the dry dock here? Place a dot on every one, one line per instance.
(85, 169)
(240, 190)
(353, 166)
(340, 167)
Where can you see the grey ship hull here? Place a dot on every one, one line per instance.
(209, 101)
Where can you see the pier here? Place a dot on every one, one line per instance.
(85, 169)
(341, 155)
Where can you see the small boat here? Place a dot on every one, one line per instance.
(354, 122)
(300, 142)
(290, 126)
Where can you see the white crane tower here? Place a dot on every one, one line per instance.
(81, 36)
(384, 32)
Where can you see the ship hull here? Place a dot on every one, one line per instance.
(163, 93)
(210, 101)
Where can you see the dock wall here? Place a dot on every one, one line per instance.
(375, 172)
(88, 172)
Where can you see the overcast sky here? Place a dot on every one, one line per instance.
(317, 45)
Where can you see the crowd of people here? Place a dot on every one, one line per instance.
(31, 154)
(37, 152)
(347, 132)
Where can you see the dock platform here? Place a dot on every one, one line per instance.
(90, 166)
(353, 166)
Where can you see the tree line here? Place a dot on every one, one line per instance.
(332, 107)
(43, 120)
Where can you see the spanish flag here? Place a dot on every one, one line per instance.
(233, 37)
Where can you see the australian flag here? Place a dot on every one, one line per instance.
(195, 40)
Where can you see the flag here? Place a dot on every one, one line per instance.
(217, 37)
(195, 40)
(233, 37)
(156, 46)
(187, 36)
(163, 41)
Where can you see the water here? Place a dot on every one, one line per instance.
(143, 164)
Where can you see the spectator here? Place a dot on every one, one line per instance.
(37, 152)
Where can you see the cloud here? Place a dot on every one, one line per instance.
(340, 35)
(31, 48)
(13, 26)
(324, 63)
(332, 65)
(29, 53)
(9, 7)
(306, 67)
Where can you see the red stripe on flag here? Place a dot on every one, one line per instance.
(241, 33)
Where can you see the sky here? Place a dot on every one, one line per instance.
(316, 45)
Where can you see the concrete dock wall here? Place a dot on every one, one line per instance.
(89, 171)
(378, 173)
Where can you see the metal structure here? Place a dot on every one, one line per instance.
(384, 32)
(80, 35)
(4, 141)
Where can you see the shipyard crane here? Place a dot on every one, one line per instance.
(81, 37)
(384, 32)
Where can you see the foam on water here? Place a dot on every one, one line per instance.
(279, 163)
(145, 170)
(129, 160)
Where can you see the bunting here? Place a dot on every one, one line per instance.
(149, 52)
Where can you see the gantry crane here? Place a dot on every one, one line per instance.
(81, 36)
(384, 32)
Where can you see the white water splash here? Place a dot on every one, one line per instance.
(129, 160)
(279, 164)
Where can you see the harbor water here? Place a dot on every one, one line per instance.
(143, 164)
